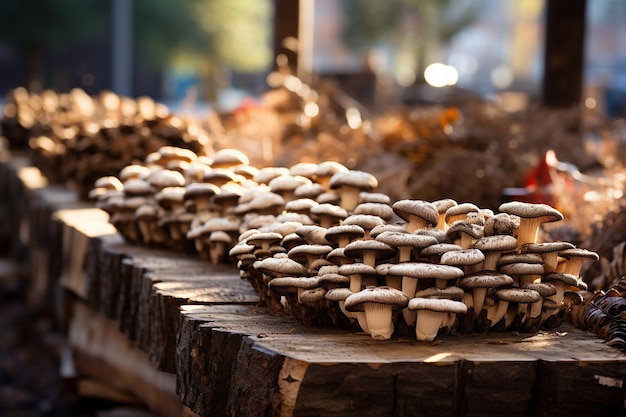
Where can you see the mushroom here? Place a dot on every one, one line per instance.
(378, 304)
(493, 247)
(442, 206)
(339, 295)
(384, 211)
(228, 158)
(325, 171)
(358, 273)
(480, 283)
(523, 273)
(366, 221)
(418, 213)
(431, 313)
(350, 184)
(469, 260)
(285, 185)
(405, 243)
(464, 234)
(504, 296)
(549, 252)
(574, 260)
(344, 234)
(458, 212)
(329, 214)
(560, 281)
(369, 251)
(531, 217)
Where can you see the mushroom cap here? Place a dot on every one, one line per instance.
(366, 221)
(461, 226)
(331, 197)
(221, 223)
(439, 249)
(334, 279)
(287, 183)
(166, 178)
(220, 236)
(221, 176)
(353, 178)
(380, 295)
(367, 197)
(384, 211)
(567, 279)
(579, 253)
(356, 268)
(521, 268)
(425, 210)
(357, 248)
(444, 204)
(460, 210)
(531, 211)
(197, 189)
(328, 169)
(301, 253)
(303, 169)
(529, 258)
(312, 295)
(109, 182)
(337, 257)
(274, 265)
(501, 224)
(309, 190)
(266, 174)
(465, 257)
(545, 247)
(517, 295)
(334, 233)
(300, 205)
(399, 239)
(284, 285)
(174, 152)
(313, 235)
(440, 235)
(246, 171)
(134, 171)
(241, 249)
(543, 288)
(170, 195)
(137, 186)
(451, 293)
(503, 243)
(484, 279)
(425, 270)
(259, 238)
(338, 294)
(262, 201)
(437, 304)
(229, 157)
(387, 228)
(147, 211)
(329, 210)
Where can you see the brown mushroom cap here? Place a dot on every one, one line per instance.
(420, 214)
(555, 277)
(384, 211)
(450, 293)
(280, 267)
(459, 212)
(517, 295)
(227, 158)
(503, 243)
(437, 304)
(313, 235)
(346, 232)
(425, 270)
(379, 295)
(352, 178)
(484, 279)
(465, 257)
(369, 249)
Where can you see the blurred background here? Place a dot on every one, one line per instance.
(194, 53)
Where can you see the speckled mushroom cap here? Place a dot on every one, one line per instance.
(387, 228)
(465, 257)
(366, 221)
(398, 239)
(264, 238)
(384, 211)
(134, 171)
(352, 231)
(333, 280)
(555, 277)
(282, 266)
(197, 189)
(545, 247)
(459, 212)
(380, 198)
(439, 249)
(312, 295)
(230, 225)
(531, 210)
(437, 304)
(579, 253)
(444, 204)
(302, 253)
(451, 293)
(328, 169)
(543, 288)
(501, 224)
(300, 205)
(379, 295)
(439, 234)
(503, 243)
(331, 210)
(287, 183)
(338, 294)
(284, 285)
(309, 190)
(166, 178)
(424, 211)
(517, 295)
(425, 270)
(261, 202)
(521, 268)
(357, 268)
(529, 258)
(357, 249)
(313, 235)
(459, 227)
(484, 279)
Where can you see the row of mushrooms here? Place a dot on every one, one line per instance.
(75, 138)
(317, 241)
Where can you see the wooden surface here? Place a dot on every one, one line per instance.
(185, 336)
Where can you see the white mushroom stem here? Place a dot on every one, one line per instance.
(550, 262)
(571, 266)
(479, 295)
(468, 299)
(144, 228)
(466, 241)
(527, 230)
(534, 310)
(342, 307)
(404, 253)
(369, 257)
(558, 296)
(416, 223)
(360, 316)
(394, 281)
(448, 320)
(441, 222)
(379, 320)
(427, 324)
(355, 282)
(497, 311)
(491, 260)
(409, 287)
(349, 197)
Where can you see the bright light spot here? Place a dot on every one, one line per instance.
(353, 116)
(448, 129)
(405, 76)
(292, 83)
(440, 75)
(437, 357)
(311, 109)
(480, 173)
(590, 103)
(502, 77)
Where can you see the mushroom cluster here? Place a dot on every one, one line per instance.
(76, 138)
(318, 241)
(436, 267)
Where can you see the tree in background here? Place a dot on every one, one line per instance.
(413, 28)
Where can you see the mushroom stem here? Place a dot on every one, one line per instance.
(360, 316)
(427, 324)
(497, 311)
(379, 320)
(527, 231)
(479, 295)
